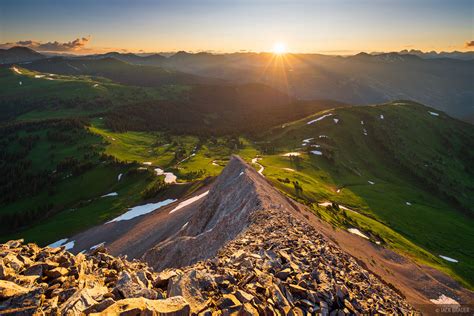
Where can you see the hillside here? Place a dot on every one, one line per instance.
(118, 71)
(216, 110)
(31, 95)
(201, 109)
(252, 274)
(401, 172)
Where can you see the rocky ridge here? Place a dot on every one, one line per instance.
(52, 281)
(283, 267)
(274, 263)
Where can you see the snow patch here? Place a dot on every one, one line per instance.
(292, 154)
(361, 122)
(39, 76)
(69, 245)
(16, 70)
(110, 194)
(169, 176)
(342, 207)
(371, 182)
(319, 118)
(449, 259)
(357, 232)
(317, 152)
(148, 163)
(307, 140)
(97, 246)
(141, 210)
(96, 85)
(408, 203)
(58, 243)
(20, 83)
(364, 131)
(189, 201)
(381, 116)
(336, 120)
(433, 113)
(444, 300)
(119, 177)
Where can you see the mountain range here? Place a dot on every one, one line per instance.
(444, 83)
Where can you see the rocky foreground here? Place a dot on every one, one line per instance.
(277, 265)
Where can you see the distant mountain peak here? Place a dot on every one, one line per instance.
(18, 54)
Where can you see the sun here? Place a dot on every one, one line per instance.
(279, 48)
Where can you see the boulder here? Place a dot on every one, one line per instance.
(228, 300)
(6, 272)
(243, 296)
(33, 297)
(99, 307)
(57, 272)
(129, 286)
(14, 243)
(173, 306)
(11, 260)
(82, 299)
(9, 289)
(193, 286)
(35, 269)
(164, 277)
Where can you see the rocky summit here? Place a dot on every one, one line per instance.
(272, 262)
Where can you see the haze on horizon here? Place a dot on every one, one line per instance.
(304, 26)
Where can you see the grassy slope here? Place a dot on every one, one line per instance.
(89, 208)
(73, 207)
(432, 223)
(83, 95)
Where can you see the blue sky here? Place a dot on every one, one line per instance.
(303, 25)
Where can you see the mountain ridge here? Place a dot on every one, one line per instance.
(362, 79)
(250, 275)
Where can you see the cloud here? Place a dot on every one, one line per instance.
(75, 45)
(470, 44)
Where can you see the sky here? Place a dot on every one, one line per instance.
(304, 26)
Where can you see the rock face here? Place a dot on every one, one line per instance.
(256, 258)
